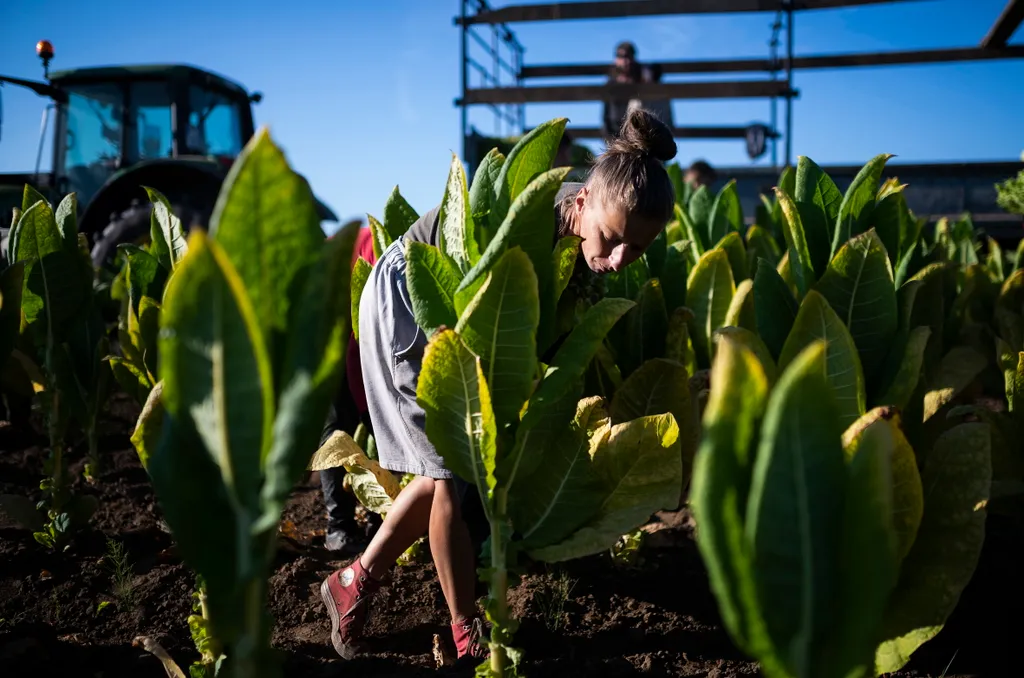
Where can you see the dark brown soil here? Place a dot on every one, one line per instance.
(656, 619)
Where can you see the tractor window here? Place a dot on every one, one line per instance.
(151, 118)
(214, 125)
(93, 142)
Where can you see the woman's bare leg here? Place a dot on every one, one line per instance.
(452, 550)
(406, 522)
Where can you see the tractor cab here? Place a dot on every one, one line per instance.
(113, 118)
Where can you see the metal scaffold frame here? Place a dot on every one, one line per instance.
(509, 100)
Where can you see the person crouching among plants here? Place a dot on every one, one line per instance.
(621, 207)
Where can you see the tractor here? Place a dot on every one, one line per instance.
(117, 129)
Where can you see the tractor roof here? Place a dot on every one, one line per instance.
(143, 72)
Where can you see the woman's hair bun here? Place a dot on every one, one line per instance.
(643, 132)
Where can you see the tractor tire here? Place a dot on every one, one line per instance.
(133, 224)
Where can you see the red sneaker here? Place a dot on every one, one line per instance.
(469, 638)
(347, 594)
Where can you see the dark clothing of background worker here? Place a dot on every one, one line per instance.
(625, 70)
(661, 108)
(700, 173)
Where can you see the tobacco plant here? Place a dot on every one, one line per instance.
(53, 324)
(560, 477)
(829, 552)
(252, 333)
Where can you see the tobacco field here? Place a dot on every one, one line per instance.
(787, 446)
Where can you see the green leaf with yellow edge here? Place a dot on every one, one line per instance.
(955, 479)
(132, 379)
(567, 251)
(868, 563)
(215, 368)
(166, 232)
(380, 238)
(775, 308)
(149, 426)
(801, 265)
(795, 506)
(891, 219)
(456, 232)
(531, 157)
(761, 245)
(858, 203)
(817, 321)
(639, 470)
(907, 494)
(266, 223)
(678, 346)
(500, 326)
(431, 282)
(718, 494)
(751, 341)
(482, 195)
(695, 245)
(563, 492)
(360, 276)
(858, 285)
(959, 368)
(732, 243)
(399, 215)
(710, 289)
(741, 311)
(646, 328)
(699, 213)
(673, 277)
(66, 216)
(726, 214)
(459, 417)
(817, 199)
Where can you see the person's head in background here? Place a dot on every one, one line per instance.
(626, 68)
(563, 157)
(627, 198)
(700, 173)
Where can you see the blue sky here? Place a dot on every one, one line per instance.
(360, 95)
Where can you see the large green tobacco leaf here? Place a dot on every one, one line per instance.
(539, 436)
(710, 289)
(800, 263)
(149, 426)
(529, 224)
(732, 243)
(891, 220)
(726, 214)
(215, 367)
(752, 342)
(145, 276)
(673, 277)
(718, 493)
(564, 491)
(796, 503)
(432, 283)
(482, 193)
(317, 338)
(956, 478)
(775, 308)
(628, 282)
(564, 259)
(500, 326)
(639, 468)
(907, 495)
(360, 276)
(678, 346)
(166, 233)
(699, 213)
(575, 354)
(381, 238)
(868, 564)
(741, 311)
(459, 419)
(529, 158)
(958, 369)
(646, 328)
(660, 386)
(817, 199)
(761, 245)
(859, 202)
(656, 252)
(815, 321)
(695, 245)
(66, 216)
(54, 290)
(266, 222)
(858, 285)
(457, 234)
(399, 215)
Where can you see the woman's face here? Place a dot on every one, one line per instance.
(612, 239)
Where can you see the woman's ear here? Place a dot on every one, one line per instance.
(581, 199)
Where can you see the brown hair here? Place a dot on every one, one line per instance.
(631, 173)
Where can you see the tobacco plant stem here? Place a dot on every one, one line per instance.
(499, 583)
